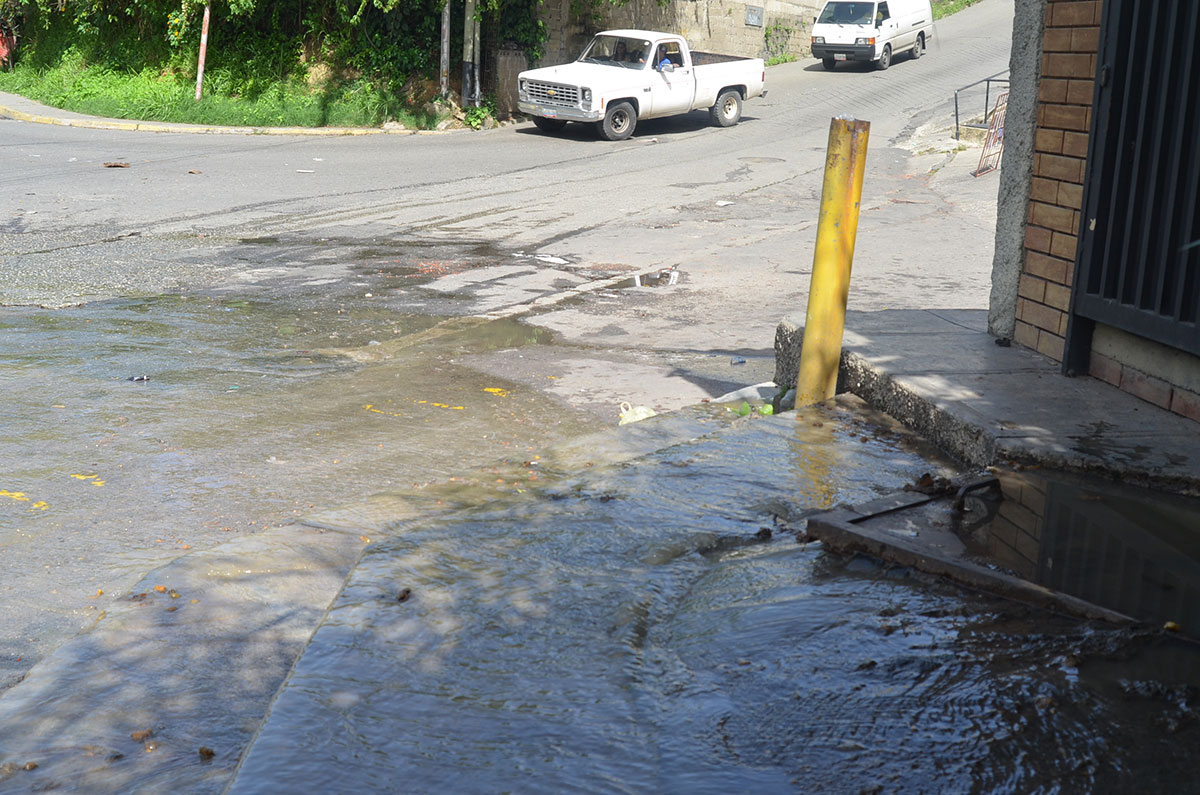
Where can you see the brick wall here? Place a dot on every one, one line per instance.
(1064, 115)
(1070, 42)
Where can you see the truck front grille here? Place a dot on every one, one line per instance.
(553, 94)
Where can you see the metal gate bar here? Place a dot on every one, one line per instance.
(1136, 266)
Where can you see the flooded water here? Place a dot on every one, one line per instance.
(136, 431)
(650, 627)
(537, 609)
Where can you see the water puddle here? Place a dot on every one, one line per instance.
(1128, 549)
(667, 277)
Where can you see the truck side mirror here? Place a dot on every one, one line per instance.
(666, 67)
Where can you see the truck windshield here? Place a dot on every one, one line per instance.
(847, 13)
(617, 51)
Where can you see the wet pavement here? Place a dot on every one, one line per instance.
(140, 430)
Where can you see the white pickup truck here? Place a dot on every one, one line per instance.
(627, 75)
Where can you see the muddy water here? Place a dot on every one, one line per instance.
(136, 431)
(649, 627)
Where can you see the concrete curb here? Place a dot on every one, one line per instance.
(840, 530)
(7, 112)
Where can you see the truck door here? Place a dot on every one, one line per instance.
(894, 28)
(671, 89)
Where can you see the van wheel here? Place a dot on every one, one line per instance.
(548, 125)
(618, 122)
(728, 110)
(829, 63)
(885, 58)
(919, 48)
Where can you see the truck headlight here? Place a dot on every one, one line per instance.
(586, 95)
(521, 93)
(818, 39)
(870, 41)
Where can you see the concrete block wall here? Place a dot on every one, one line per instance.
(708, 25)
(1064, 114)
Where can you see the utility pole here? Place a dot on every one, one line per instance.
(470, 72)
(203, 50)
(445, 72)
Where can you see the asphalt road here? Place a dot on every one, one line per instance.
(648, 201)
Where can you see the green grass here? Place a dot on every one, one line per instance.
(944, 8)
(152, 96)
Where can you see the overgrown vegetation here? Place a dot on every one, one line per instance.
(777, 39)
(282, 62)
(273, 62)
(944, 8)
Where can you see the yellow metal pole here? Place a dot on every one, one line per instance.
(826, 318)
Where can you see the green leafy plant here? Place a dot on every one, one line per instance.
(777, 38)
(944, 8)
(475, 117)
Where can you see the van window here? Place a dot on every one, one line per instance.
(845, 12)
(882, 13)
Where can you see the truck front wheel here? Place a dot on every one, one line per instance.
(885, 58)
(728, 110)
(618, 123)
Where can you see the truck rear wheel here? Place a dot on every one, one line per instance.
(618, 122)
(548, 125)
(728, 110)
(919, 47)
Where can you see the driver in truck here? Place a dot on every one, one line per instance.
(662, 59)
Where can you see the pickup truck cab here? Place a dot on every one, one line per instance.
(624, 76)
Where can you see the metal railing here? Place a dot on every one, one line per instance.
(987, 101)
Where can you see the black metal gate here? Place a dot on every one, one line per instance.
(1137, 266)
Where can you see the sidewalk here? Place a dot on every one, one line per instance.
(941, 374)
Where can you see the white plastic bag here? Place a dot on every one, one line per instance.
(631, 413)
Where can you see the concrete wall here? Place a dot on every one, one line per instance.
(1020, 126)
(717, 26)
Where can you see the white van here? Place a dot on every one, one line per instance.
(863, 30)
